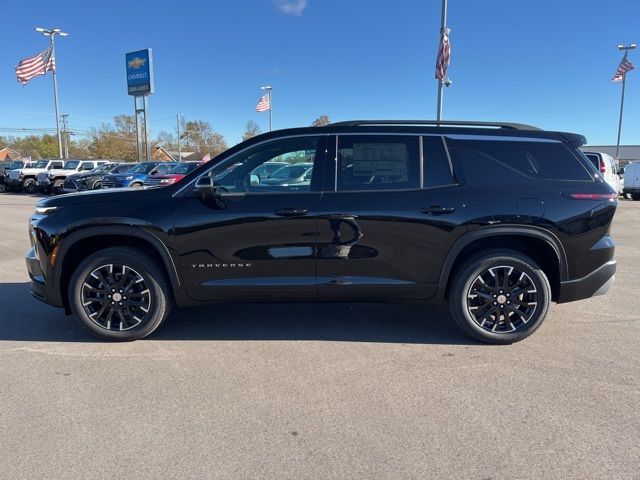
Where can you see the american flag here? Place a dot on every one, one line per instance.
(444, 55)
(624, 67)
(33, 66)
(263, 104)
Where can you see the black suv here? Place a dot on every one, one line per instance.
(498, 219)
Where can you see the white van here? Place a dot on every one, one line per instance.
(607, 167)
(632, 180)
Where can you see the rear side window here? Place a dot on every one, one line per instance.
(499, 160)
(378, 162)
(437, 170)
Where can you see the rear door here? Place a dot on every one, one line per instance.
(387, 221)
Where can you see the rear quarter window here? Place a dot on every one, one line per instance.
(496, 161)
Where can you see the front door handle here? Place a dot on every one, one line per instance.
(438, 210)
(291, 212)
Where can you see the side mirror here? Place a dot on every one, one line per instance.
(254, 180)
(204, 186)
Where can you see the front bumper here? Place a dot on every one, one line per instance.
(13, 182)
(38, 285)
(43, 184)
(596, 283)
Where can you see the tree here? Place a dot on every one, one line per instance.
(251, 131)
(118, 142)
(199, 136)
(321, 121)
(36, 147)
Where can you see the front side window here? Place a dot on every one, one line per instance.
(378, 162)
(293, 161)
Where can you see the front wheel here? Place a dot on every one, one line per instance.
(499, 296)
(29, 186)
(120, 294)
(56, 188)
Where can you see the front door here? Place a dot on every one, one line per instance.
(255, 239)
(387, 224)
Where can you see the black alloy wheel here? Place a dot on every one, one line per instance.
(120, 293)
(499, 296)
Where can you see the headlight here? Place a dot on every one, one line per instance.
(51, 174)
(130, 177)
(44, 210)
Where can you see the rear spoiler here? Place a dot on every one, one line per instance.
(575, 139)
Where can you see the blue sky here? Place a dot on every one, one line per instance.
(544, 62)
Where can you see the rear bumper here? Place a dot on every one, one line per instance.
(597, 282)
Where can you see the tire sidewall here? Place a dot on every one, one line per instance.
(468, 276)
(141, 264)
(29, 185)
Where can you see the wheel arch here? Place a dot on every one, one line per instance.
(541, 245)
(84, 242)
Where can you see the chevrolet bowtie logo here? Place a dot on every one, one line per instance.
(137, 62)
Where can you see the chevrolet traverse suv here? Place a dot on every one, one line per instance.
(499, 220)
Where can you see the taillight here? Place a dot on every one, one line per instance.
(591, 196)
(602, 167)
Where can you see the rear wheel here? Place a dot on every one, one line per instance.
(29, 185)
(499, 296)
(120, 294)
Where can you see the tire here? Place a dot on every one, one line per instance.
(29, 185)
(97, 186)
(56, 188)
(635, 196)
(497, 319)
(103, 318)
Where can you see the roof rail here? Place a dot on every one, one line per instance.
(436, 123)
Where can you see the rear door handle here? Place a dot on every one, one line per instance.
(291, 212)
(438, 210)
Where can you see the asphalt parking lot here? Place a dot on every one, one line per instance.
(319, 391)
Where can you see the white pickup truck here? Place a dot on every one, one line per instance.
(52, 181)
(25, 178)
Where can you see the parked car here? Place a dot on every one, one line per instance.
(499, 220)
(607, 167)
(291, 174)
(632, 180)
(267, 169)
(92, 180)
(25, 178)
(52, 181)
(172, 176)
(136, 176)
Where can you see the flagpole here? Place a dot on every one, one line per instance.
(441, 81)
(270, 110)
(55, 95)
(624, 81)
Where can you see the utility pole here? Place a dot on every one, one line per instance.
(624, 81)
(51, 33)
(269, 89)
(179, 143)
(65, 133)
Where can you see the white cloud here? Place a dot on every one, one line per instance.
(291, 7)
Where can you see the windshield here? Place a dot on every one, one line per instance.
(184, 168)
(290, 171)
(71, 165)
(143, 168)
(40, 164)
(102, 168)
(125, 167)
